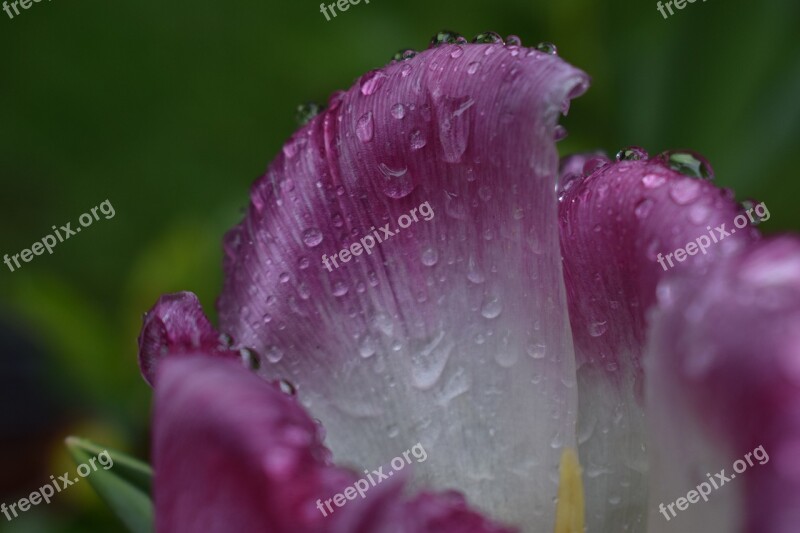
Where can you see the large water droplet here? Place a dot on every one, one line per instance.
(492, 308)
(398, 183)
(688, 163)
(372, 81)
(513, 40)
(547, 48)
(446, 37)
(365, 127)
(250, 358)
(398, 111)
(428, 361)
(632, 153)
(312, 237)
(404, 55)
(653, 181)
(487, 37)
(454, 127)
(305, 112)
(684, 191)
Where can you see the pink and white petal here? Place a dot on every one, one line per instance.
(723, 369)
(454, 332)
(233, 452)
(177, 325)
(614, 223)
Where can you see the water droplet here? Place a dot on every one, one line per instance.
(488, 37)
(368, 347)
(653, 181)
(303, 263)
(430, 257)
(684, 191)
(429, 359)
(748, 205)
(392, 432)
(643, 208)
(340, 289)
(372, 81)
(267, 318)
(537, 351)
(560, 133)
(632, 153)
(406, 70)
(454, 127)
(513, 40)
(506, 359)
(445, 37)
(250, 358)
(596, 329)
(688, 163)
(365, 127)
(404, 55)
(457, 52)
(547, 48)
(284, 277)
(417, 139)
(287, 387)
(306, 112)
(398, 111)
(225, 340)
(594, 164)
(274, 354)
(473, 67)
(312, 237)
(398, 182)
(492, 308)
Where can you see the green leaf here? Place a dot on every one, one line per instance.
(125, 485)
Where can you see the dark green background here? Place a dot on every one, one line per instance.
(171, 109)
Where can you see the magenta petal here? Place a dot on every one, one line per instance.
(176, 325)
(453, 331)
(724, 379)
(614, 225)
(234, 453)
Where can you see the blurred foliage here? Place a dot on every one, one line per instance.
(171, 110)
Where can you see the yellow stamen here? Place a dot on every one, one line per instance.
(570, 508)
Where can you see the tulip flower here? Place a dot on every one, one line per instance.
(508, 334)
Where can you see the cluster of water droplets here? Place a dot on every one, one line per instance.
(251, 360)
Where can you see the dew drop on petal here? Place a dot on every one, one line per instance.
(398, 111)
(596, 329)
(312, 237)
(688, 163)
(632, 153)
(287, 387)
(365, 127)
(547, 48)
(643, 208)
(653, 181)
(417, 139)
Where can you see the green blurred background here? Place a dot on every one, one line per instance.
(170, 111)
